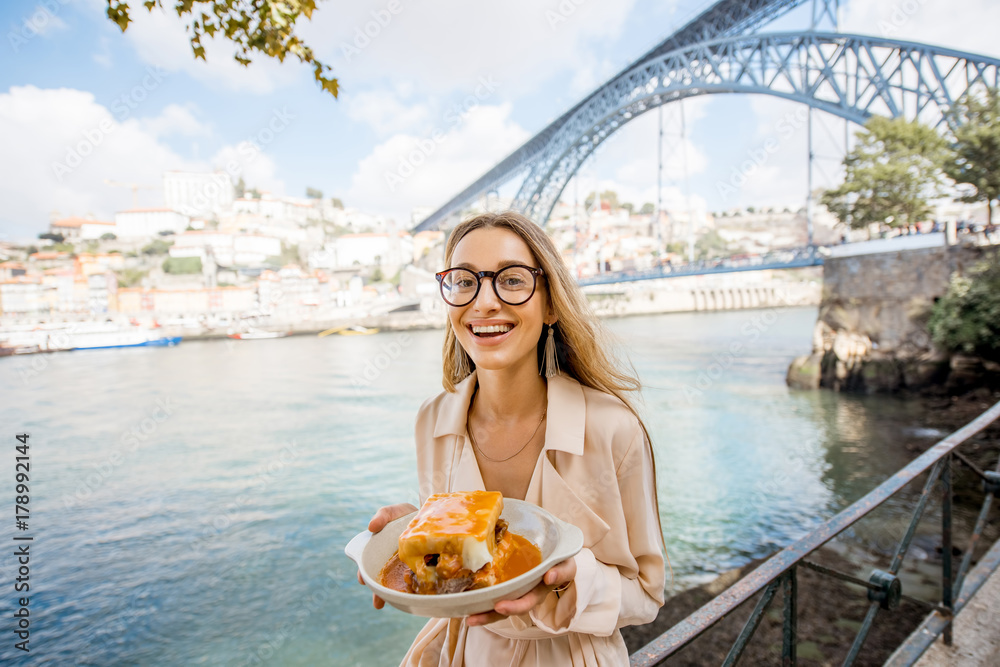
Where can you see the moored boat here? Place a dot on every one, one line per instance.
(355, 330)
(105, 336)
(257, 335)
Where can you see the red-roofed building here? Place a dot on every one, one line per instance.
(12, 269)
(48, 259)
(76, 228)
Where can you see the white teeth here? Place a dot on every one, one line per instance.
(494, 328)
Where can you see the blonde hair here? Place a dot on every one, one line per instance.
(583, 345)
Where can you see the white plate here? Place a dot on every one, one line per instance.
(556, 539)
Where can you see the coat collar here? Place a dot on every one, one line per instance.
(566, 413)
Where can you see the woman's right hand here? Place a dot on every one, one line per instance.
(378, 522)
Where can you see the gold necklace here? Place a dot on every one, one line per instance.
(472, 438)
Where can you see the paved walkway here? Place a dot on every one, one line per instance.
(976, 633)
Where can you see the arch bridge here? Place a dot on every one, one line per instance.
(850, 76)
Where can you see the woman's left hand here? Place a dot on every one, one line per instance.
(560, 574)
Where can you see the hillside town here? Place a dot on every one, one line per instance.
(221, 259)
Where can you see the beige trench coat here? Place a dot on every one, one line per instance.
(595, 472)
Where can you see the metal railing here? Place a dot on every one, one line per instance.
(884, 589)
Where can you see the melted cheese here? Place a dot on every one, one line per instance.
(461, 524)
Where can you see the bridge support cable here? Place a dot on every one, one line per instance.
(849, 76)
(722, 19)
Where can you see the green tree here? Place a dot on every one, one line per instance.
(976, 147)
(240, 188)
(108, 236)
(609, 196)
(55, 237)
(130, 277)
(336, 203)
(157, 247)
(710, 244)
(628, 206)
(892, 171)
(647, 208)
(177, 265)
(967, 318)
(313, 193)
(289, 255)
(264, 26)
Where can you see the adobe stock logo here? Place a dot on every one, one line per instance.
(377, 364)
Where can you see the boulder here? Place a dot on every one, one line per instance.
(966, 373)
(804, 373)
(881, 375)
(926, 370)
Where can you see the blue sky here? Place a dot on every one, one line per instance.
(138, 104)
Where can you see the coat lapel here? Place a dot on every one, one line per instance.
(565, 433)
(560, 498)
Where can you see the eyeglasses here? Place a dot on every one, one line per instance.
(513, 285)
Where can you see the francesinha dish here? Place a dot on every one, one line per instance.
(458, 542)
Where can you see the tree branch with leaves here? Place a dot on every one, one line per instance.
(894, 168)
(976, 147)
(262, 26)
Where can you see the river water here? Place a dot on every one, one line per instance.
(191, 505)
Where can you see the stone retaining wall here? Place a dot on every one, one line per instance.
(871, 334)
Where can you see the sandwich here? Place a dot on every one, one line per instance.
(456, 542)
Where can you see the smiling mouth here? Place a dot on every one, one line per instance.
(491, 331)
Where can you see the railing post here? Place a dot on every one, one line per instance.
(946, 592)
(790, 630)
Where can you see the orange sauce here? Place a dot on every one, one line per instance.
(524, 557)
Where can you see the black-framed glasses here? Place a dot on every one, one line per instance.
(513, 285)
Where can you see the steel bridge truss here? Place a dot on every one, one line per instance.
(725, 18)
(850, 76)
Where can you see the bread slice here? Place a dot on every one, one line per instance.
(453, 536)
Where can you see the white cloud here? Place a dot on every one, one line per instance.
(448, 47)
(175, 119)
(407, 170)
(159, 38)
(968, 26)
(255, 168)
(385, 112)
(627, 161)
(42, 20)
(103, 56)
(60, 145)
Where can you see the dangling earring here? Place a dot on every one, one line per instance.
(550, 359)
(462, 369)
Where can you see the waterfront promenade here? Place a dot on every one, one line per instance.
(976, 641)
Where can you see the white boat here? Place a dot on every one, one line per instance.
(256, 335)
(82, 336)
(98, 336)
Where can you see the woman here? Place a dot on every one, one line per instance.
(535, 408)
